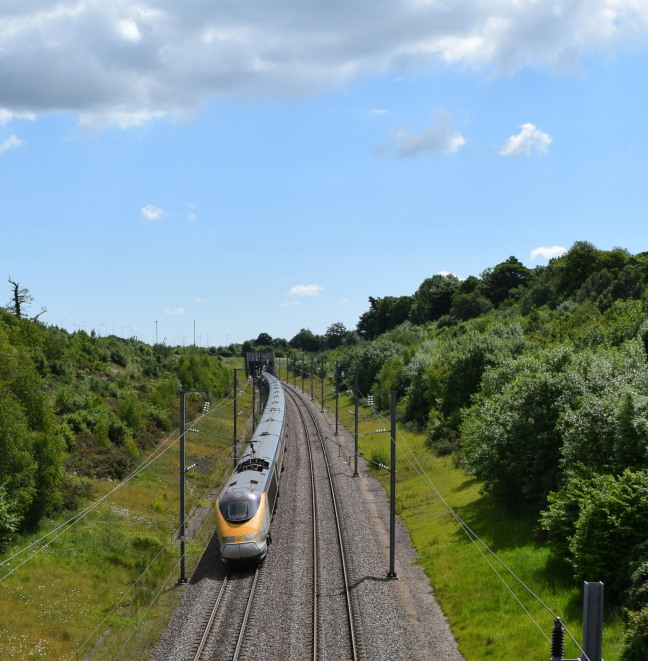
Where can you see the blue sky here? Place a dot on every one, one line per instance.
(349, 156)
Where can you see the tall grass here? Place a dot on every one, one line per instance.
(54, 602)
(485, 618)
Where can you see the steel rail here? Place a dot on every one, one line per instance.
(239, 642)
(314, 501)
(211, 619)
(354, 652)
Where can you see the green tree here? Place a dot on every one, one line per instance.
(335, 334)
(306, 340)
(384, 314)
(433, 298)
(508, 275)
(263, 340)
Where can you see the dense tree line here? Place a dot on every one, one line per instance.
(76, 403)
(536, 380)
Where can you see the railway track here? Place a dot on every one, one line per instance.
(209, 648)
(230, 592)
(300, 399)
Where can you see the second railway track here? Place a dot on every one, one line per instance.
(228, 633)
(320, 648)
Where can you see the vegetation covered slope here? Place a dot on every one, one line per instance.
(79, 404)
(536, 382)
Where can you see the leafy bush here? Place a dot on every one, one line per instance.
(511, 439)
(99, 463)
(131, 412)
(378, 456)
(9, 520)
(600, 524)
(118, 357)
(635, 646)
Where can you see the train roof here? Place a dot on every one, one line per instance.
(254, 467)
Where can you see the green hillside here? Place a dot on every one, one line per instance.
(534, 382)
(78, 413)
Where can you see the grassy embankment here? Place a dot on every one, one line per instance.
(484, 617)
(53, 603)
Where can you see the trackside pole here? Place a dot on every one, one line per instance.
(253, 406)
(392, 491)
(312, 365)
(182, 393)
(183, 578)
(593, 620)
(337, 389)
(355, 471)
(322, 372)
(236, 369)
(392, 483)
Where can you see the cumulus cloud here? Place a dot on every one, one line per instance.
(286, 305)
(178, 311)
(305, 290)
(198, 300)
(548, 253)
(192, 215)
(344, 300)
(128, 61)
(439, 139)
(10, 143)
(151, 212)
(529, 138)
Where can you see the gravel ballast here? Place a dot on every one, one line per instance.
(393, 620)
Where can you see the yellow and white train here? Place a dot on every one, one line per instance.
(246, 503)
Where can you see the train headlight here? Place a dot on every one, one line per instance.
(229, 539)
(249, 538)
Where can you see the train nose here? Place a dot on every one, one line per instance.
(244, 551)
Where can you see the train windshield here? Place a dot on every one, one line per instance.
(239, 506)
(237, 510)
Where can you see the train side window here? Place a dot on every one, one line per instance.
(272, 491)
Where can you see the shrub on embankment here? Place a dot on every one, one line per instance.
(536, 381)
(77, 403)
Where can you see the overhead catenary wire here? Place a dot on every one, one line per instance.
(162, 588)
(171, 538)
(67, 525)
(474, 538)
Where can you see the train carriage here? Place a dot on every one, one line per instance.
(246, 503)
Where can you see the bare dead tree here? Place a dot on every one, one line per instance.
(20, 300)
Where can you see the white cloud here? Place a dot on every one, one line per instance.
(191, 216)
(6, 116)
(286, 305)
(439, 139)
(151, 212)
(191, 205)
(128, 30)
(305, 290)
(344, 300)
(178, 311)
(126, 61)
(525, 141)
(10, 143)
(379, 112)
(198, 300)
(548, 253)
(96, 120)
(449, 273)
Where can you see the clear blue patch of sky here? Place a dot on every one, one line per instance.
(291, 192)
